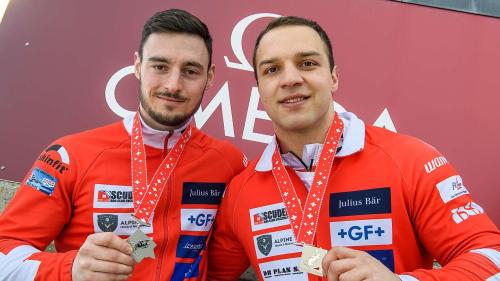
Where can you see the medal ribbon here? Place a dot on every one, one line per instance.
(146, 196)
(304, 221)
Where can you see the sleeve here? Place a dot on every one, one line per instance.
(236, 159)
(35, 217)
(226, 257)
(450, 225)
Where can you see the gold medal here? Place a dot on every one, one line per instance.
(311, 260)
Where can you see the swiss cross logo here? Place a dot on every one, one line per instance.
(102, 196)
(257, 219)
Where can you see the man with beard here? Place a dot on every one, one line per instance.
(145, 187)
(333, 197)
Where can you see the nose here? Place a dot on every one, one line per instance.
(291, 76)
(172, 81)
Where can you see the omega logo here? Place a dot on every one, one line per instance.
(222, 98)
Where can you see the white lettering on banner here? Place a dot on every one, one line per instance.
(361, 232)
(385, 121)
(252, 114)
(237, 41)
(109, 93)
(222, 97)
(275, 243)
(451, 188)
(286, 270)
(462, 213)
(197, 219)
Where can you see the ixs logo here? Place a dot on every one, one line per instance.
(451, 188)
(113, 196)
(118, 223)
(286, 270)
(197, 219)
(275, 243)
(59, 165)
(462, 213)
(361, 232)
(268, 216)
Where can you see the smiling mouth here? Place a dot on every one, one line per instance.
(295, 99)
(170, 98)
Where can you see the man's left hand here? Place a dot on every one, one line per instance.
(344, 264)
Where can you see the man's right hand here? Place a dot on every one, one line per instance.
(103, 256)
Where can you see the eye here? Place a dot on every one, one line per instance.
(308, 64)
(270, 70)
(159, 67)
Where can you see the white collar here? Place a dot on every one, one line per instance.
(153, 137)
(353, 141)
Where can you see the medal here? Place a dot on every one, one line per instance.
(146, 196)
(142, 246)
(311, 259)
(304, 221)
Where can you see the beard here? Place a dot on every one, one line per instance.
(164, 116)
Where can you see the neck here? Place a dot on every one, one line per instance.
(295, 140)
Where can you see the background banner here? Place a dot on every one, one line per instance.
(426, 72)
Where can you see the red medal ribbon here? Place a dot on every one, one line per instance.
(304, 222)
(145, 195)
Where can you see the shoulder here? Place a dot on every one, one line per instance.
(222, 149)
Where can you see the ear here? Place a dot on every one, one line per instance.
(335, 79)
(210, 76)
(137, 65)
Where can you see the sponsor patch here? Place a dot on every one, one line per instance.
(275, 243)
(202, 192)
(462, 213)
(363, 202)
(361, 232)
(386, 257)
(42, 181)
(268, 216)
(118, 223)
(186, 270)
(113, 196)
(434, 164)
(286, 270)
(61, 165)
(451, 188)
(197, 219)
(190, 246)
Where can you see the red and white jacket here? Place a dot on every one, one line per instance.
(392, 196)
(81, 184)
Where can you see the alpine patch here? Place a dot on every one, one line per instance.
(118, 223)
(42, 181)
(275, 243)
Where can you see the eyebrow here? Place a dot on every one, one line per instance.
(167, 61)
(300, 55)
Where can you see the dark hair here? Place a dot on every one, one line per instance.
(177, 21)
(295, 21)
